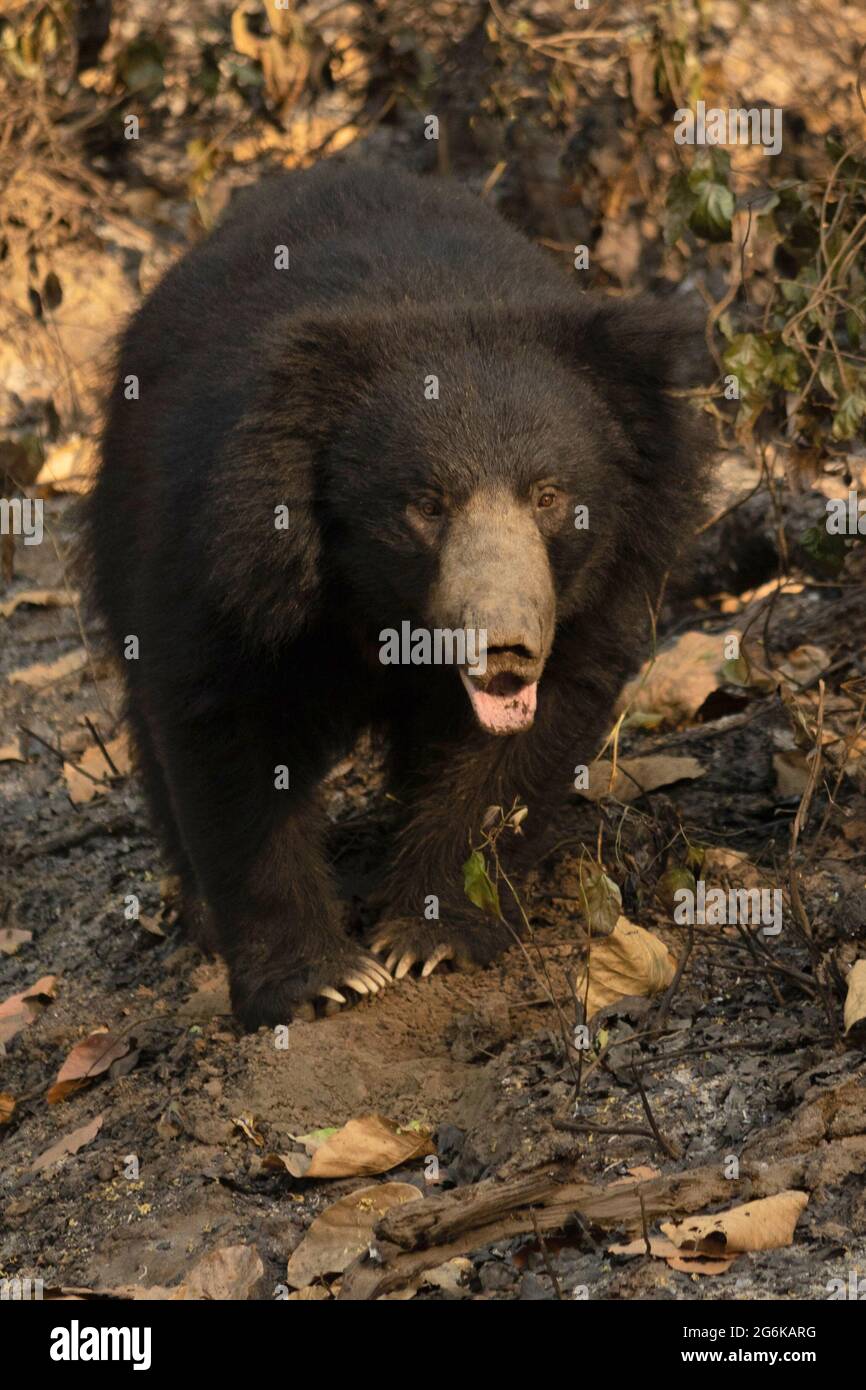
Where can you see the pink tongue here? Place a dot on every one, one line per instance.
(503, 714)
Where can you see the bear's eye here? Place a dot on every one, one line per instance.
(546, 498)
(429, 508)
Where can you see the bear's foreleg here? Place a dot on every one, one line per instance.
(243, 789)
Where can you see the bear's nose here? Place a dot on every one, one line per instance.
(515, 647)
(519, 659)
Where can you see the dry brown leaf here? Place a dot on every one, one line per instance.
(82, 789)
(343, 1231)
(230, 1273)
(62, 357)
(43, 991)
(69, 1144)
(20, 1010)
(7, 1107)
(150, 925)
(90, 1057)
(247, 1125)
(15, 1014)
(853, 842)
(370, 1144)
(288, 62)
(698, 1263)
(642, 63)
(11, 938)
(81, 786)
(69, 467)
(364, 1146)
(792, 772)
(450, 1276)
(629, 961)
(296, 1165)
(635, 776)
(803, 665)
(644, 1172)
(42, 673)
(730, 865)
(678, 681)
(855, 1000)
(732, 604)
(767, 1224)
(695, 1262)
(39, 598)
(11, 752)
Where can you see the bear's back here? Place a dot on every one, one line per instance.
(378, 236)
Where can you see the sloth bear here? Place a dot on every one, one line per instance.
(365, 405)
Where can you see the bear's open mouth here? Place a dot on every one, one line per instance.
(507, 706)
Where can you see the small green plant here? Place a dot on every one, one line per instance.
(799, 361)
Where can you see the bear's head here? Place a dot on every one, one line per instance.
(496, 470)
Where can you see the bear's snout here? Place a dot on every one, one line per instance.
(495, 583)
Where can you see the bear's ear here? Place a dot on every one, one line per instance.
(262, 536)
(637, 356)
(319, 365)
(655, 343)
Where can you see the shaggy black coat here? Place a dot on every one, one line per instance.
(242, 389)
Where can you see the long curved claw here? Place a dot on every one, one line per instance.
(373, 969)
(405, 965)
(441, 953)
(326, 992)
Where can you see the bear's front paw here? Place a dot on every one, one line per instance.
(308, 991)
(463, 940)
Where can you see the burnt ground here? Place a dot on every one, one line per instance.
(480, 1058)
(743, 1055)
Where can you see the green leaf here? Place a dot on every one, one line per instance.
(828, 375)
(711, 165)
(701, 200)
(713, 213)
(695, 859)
(679, 204)
(142, 65)
(786, 368)
(478, 886)
(670, 883)
(737, 672)
(826, 551)
(854, 328)
(750, 357)
(849, 416)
